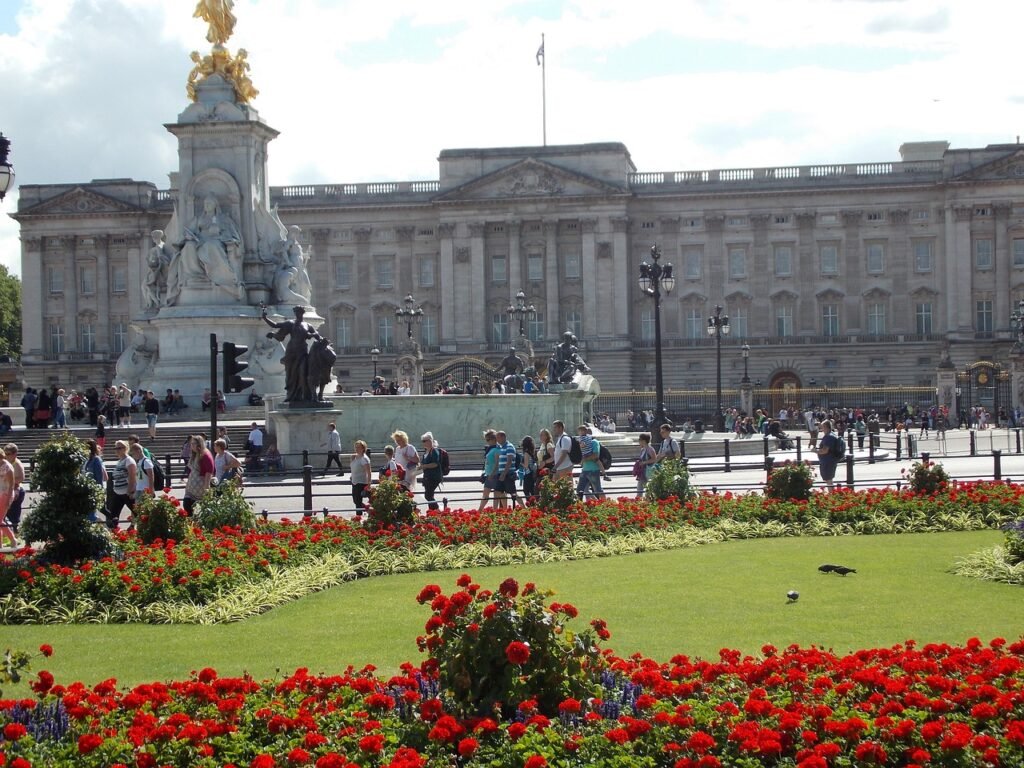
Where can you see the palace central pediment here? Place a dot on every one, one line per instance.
(530, 178)
(79, 201)
(1008, 167)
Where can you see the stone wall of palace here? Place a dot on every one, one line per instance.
(848, 273)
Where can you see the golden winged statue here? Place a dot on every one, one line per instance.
(216, 13)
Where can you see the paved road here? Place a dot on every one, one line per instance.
(462, 488)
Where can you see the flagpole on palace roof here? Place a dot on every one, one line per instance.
(542, 60)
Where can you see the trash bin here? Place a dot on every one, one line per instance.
(698, 425)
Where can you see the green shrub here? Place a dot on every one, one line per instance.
(159, 517)
(62, 518)
(669, 479)
(494, 650)
(224, 506)
(791, 480)
(1015, 542)
(927, 479)
(391, 504)
(557, 496)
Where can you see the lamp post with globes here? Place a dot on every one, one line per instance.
(6, 169)
(522, 312)
(718, 325)
(654, 279)
(745, 350)
(410, 313)
(374, 355)
(1017, 323)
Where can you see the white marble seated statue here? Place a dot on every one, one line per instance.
(212, 249)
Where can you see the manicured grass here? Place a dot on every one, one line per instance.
(693, 601)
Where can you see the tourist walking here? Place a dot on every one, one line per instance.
(530, 468)
(669, 448)
(545, 454)
(152, 408)
(828, 453)
(505, 489)
(200, 473)
(333, 449)
(407, 457)
(430, 467)
(6, 497)
(18, 493)
(563, 447)
(124, 478)
(647, 458)
(359, 474)
(144, 477)
(226, 466)
(490, 473)
(590, 468)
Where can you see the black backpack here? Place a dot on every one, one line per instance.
(446, 466)
(158, 477)
(839, 451)
(605, 457)
(575, 450)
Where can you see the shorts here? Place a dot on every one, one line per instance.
(827, 469)
(494, 484)
(151, 419)
(509, 485)
(122, 411)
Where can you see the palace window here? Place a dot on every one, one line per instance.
(385, 269)
(783, 261)
(647, 325)
(385, 331)
(876, 318)
(923, 317)
(923, 255)
(86, 281)
(343, 274)
(830, 320)
(428, 331)
(499, 328)
(426, 270)
(784, 320)
(829, 255)
(692, 258)
(983, 316)
(499, 268)
(343, 332)
(737, 263)
(534, 266)
(876, 258)
(983, 253)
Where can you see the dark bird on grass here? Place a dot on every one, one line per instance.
(828, 568)
(842, 570)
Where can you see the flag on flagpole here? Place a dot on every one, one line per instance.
(540, 52)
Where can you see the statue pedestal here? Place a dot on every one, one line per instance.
(303, 429)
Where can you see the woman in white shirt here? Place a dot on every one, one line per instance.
(226, 466)
(407, 458)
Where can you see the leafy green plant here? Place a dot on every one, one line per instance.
(1014, 542)
(14, 663)
(391, 505)
(159, 517)
(927, 479)
(791, 480)
(557, 496)
(669, 479)
(491, 650)
(62, 519)
(224, 506)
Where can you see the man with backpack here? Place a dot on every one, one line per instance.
(830, 450)
(590, 468)
(563, 450)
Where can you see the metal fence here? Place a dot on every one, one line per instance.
(692, 404)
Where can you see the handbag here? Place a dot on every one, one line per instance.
(42, 414)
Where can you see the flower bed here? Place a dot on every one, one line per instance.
(230, 573)
(807, 707)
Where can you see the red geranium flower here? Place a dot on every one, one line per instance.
(14, 731)
(88, 742)
(517, 653)
(468, 747)
(509, 587)
(46, 649)
(535, 761)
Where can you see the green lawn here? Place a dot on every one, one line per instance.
(691, 601)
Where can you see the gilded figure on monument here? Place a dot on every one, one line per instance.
(217, 13)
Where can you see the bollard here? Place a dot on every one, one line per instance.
(266, 515)
(1018, 439)
(682, 448)
(997, 464)
(974, 444)
(849, 442)
(766, 447)
(910, 446)
(899, 447)
(307, 488)
(849, 471)
(325, 512)
(871, 450)
(925, 457)
(728, 468)
(305, 457)
(444, 503)
(769, 465)
(714, 489)
(799, 456)
(167, 470)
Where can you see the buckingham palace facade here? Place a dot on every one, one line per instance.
(854, 274)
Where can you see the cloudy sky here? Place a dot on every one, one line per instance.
(367, 90)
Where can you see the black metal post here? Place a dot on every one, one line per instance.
(871, 449)
(167, 470)
(214, 400)
(925, 457)
(1018, 439)
(849, 471)
(727, 467)
(997, 464)
(653, 278)
(307, 489)
(799, 449)
(974, 443)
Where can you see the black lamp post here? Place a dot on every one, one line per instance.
(655, 278)
(745, 349)
(718, 324)
(374, 354)
(410, 314)
(521, 312)
(1017, 323)
(6, 169)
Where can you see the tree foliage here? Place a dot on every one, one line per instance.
(10, 314)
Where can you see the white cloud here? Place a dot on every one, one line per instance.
(88, 84)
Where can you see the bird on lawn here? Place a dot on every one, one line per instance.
(828, 568)
(842, 570)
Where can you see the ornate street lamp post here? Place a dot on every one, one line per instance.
(655, 278)
(745, 349)
(410, 314)
(521, 312)
(6, 169)
(718, 324)
(1017, 323)
(374, 355)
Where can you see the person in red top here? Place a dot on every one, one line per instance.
(200, 472)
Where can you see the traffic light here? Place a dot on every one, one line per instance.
(233, 367)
